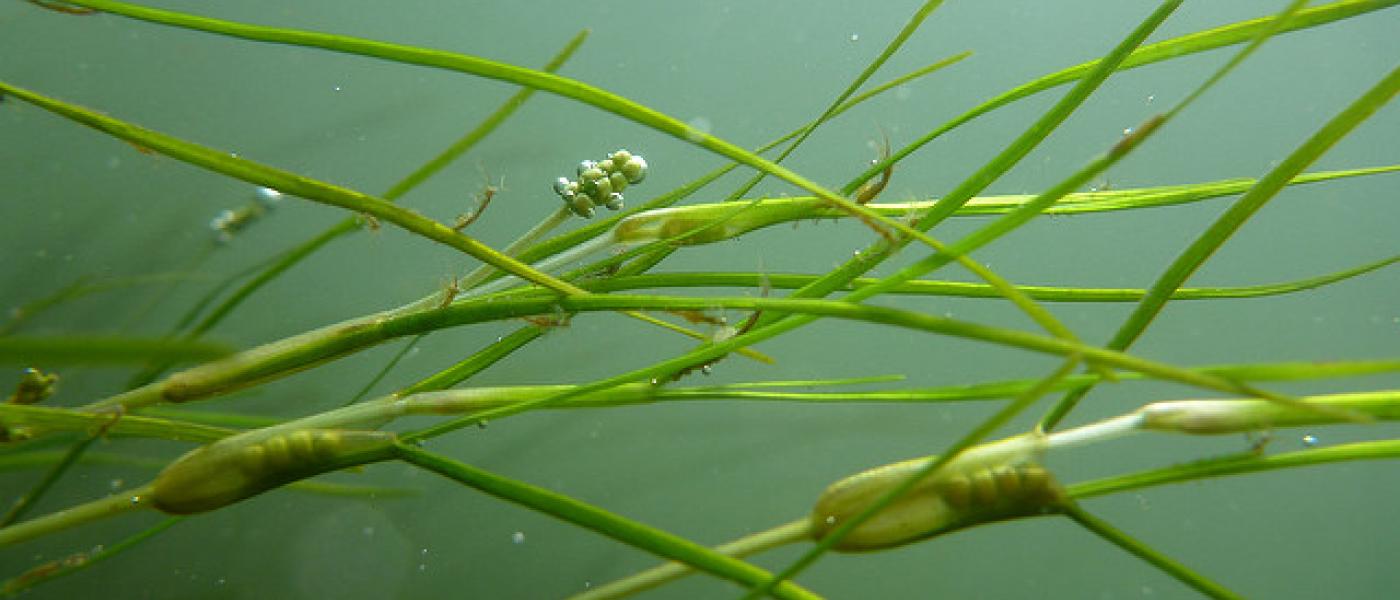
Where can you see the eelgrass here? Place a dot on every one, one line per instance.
(650, 233)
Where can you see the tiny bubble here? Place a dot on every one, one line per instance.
(1150, 98)
(1309, 440)
(706, 370)
(855, 37)
(517, 537)
(336, 88)
(367, 531)
(219, 581)
(422, 567)
(1127, 131)
(424, 552)
(830, 519)
(699, 128)
(135, 499)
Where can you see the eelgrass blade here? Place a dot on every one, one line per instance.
(573, 238)
(894, 44)
(1235, 465)
(289, 183)
(971, 438)
(94, 349)
(980, 290)
(481, 67)
(1219, 231)
(1135, 547)
(596, 519)
(1201, 41)
(477, 362)
(78, 562)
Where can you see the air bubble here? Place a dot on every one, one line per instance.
(855, 37)
(699, 128)
(1309, 440)
(517, 537)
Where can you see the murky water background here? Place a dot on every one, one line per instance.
(77, 203)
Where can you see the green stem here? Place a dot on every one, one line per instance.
(653, 540)
(1132, 546)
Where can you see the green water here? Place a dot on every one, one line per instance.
(77, 203)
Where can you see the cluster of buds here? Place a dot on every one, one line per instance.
(600, 183)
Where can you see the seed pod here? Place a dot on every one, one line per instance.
(975, 488)
(249, 464)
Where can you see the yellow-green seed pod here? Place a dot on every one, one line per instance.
(620, 157)
(249, 464)
(989, 483)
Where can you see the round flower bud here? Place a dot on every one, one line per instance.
(582, 206)
(619, 182)
(561, 187)
(601, 189)
(635, 169)
(591, 174)
(584, 166)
